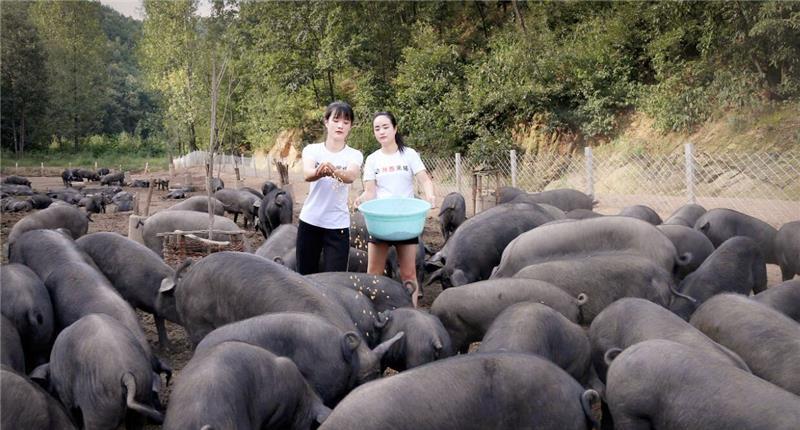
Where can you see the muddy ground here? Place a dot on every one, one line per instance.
(180, 352)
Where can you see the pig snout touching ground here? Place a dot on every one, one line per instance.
(669, 384)
(235, 385)
(475, 391)
(537, 329)
(102, 375)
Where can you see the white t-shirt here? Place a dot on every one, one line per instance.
(326, 204)
(393, 173)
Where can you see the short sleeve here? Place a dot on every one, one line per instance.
(415, 162)
(309, 152)
(357, 157)
(369, 169)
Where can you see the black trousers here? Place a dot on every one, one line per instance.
(314, 242)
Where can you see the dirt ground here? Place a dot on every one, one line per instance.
(180, 352)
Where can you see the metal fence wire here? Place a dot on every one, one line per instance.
(763, 185)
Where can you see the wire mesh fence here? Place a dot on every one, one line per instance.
(249, 167)
(764, 185)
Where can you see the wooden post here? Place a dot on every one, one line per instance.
(146, 167)
(95, 165)
(135, 206)
(497, 182)
(474, 194)
(16, 168)
(41, 169)
(513, 168)
(688, 150)
(149, 197)
(134, 229)
(458, 172)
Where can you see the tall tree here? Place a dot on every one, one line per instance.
(129, 105)
(169, 52)
(23, 77)
(76, 65)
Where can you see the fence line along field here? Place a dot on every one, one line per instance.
(463, 313)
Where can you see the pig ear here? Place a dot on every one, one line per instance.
(458, 278)
(383, 347)
(41, 376)
(167, 285)
(351, 340)
(320, 412)
(383, 318)
(611, 354)
(283, 198)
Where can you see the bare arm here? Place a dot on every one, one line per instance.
(349, 175)
(369, 192)
(311, 173)
(427, 186)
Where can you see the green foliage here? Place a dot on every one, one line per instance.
(460, 76)
(33, 160)
(429, 80)
(128, 103)
(680, 101)
(170, 54)
(76, 56)
(24, 81)
(123, 143)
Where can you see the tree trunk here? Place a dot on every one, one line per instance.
(479, 6)
(75, 97)
(330, 85)
(518, 14)
(283, 172)
(75, 133)
(192, 138)
(316, 91)
(16, 137)
(22, 133)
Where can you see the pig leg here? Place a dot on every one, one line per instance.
(786, 271)
(163, 340)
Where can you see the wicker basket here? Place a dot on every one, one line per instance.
(180, 246)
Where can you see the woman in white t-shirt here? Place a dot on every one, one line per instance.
(330, 166)
(390, 172)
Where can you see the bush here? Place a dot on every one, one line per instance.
(430, 76)
(680, 101)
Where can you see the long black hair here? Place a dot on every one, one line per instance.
(398, 138)
(340, 109)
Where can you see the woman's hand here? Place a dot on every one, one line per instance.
(360, 199)
(325, 169)
(432, 200)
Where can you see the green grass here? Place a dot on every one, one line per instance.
(58, 161)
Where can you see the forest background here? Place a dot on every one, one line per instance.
(470, 77)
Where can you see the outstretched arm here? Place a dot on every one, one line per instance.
(349, 175)
(427, 186)
(369, 192)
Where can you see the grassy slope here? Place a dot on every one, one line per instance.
(770, 129)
